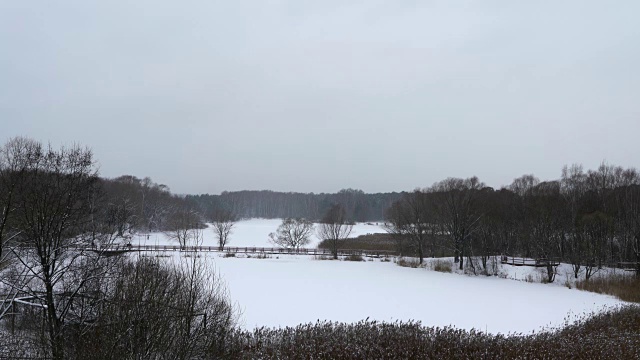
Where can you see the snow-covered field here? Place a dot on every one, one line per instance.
(253, 232)
(292, 289)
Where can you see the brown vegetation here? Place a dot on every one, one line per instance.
(380, 242)
(624, 287)
(442, 266)
(609, 335)
(353, 258)
(411, 263)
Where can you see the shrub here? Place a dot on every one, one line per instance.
(158, 310)
(442, 266)
(412, 263)
(610, 335)
(353, 257)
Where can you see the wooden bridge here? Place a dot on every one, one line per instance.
(521, 261)
(120, 249)
(628, 266)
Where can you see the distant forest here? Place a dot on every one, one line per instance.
(588, 219)
(360, 206)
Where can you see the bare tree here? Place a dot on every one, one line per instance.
(16, 157)
(222, 222)
(523, 187)
(292, 233)
(545, 224)
(457, 212)
(593, 230)
(334, 227)
(628, 202)
(411, 218)
(494, 233)
(14, 161)
(184, 226)
(53, 215)
(573, 188)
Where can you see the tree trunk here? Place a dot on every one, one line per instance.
(55, 333)
(550, 273)
(637, 256)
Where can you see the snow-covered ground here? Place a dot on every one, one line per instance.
(287, 290)
(296, 289)
(253, 232)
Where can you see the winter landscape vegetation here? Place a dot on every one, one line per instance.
(122, 268)
(287, 179)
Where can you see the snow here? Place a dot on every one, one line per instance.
(297, 289)
(564, 274)
(288, 290)
(249, 233)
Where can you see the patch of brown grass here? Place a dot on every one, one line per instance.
(442, 266)
(380, 242)
(353, 258)
(624, 287)
(411, 263)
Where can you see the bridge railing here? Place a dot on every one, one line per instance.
(249, 250)
(522, 261)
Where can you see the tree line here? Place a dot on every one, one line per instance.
(358, 205)
(588, 219)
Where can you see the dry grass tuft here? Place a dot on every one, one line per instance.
(444, 266)
(353, 258)
(411, 263)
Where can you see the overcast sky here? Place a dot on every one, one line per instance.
(316, 96)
